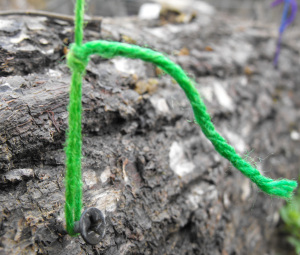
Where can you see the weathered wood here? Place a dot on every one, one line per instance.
(162, 186)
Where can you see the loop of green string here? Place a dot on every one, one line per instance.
(78, 58)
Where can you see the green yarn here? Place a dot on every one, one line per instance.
(281, 188)
(79, 15)
(73, 156)
(78, 58)
(73, 181)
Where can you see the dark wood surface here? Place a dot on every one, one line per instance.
(161, 185)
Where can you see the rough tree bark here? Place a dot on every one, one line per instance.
(162, 186)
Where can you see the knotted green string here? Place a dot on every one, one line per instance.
(78, 58)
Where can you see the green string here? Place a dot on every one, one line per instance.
(78, 58)
(73, 181)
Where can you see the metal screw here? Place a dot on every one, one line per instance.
(91, 226)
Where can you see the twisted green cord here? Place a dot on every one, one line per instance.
(73, 181)
(78, 58)
(281, 188)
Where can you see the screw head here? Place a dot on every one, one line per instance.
(91, 226)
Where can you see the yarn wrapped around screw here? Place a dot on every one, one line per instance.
(77, 61)
(78, 58)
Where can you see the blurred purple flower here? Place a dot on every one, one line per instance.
(285, 21)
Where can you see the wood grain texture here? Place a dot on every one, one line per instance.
(163, 188)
